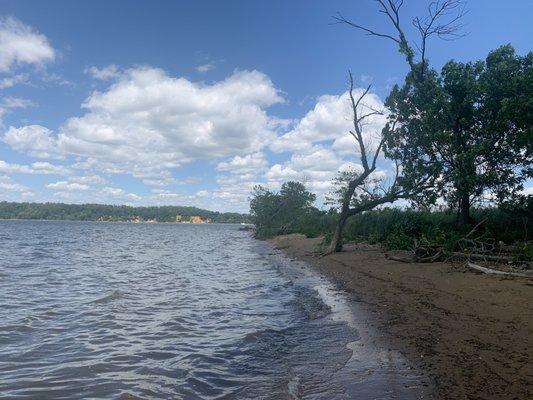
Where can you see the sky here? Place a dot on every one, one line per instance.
(195, 102)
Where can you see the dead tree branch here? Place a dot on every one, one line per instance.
(442, 19)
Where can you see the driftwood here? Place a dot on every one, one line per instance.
(482, 257)
(486, 270)
(481, 248)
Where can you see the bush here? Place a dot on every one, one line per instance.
(398, 229)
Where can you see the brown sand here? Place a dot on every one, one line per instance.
(472, 333)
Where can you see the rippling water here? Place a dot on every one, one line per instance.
(103, 310)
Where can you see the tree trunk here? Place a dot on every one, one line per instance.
(336, 240)
(464, 210)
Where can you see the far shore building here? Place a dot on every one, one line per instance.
(178, 218)
(196, 219)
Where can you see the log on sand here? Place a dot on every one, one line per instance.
(486, 270)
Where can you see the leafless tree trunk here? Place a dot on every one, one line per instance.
(368, 160)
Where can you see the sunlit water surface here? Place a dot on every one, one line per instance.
(111, 310)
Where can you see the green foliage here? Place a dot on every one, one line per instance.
(398, 229)
(523, 252)
(94, 212)
(289, 211)
(470, 126)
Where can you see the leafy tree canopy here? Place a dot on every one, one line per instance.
(471, 125)
(281, 213)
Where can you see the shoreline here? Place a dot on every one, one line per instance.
(472, 334)
(373, 370)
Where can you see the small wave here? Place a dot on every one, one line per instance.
(310, 304)
(116, 295)
(293, 387)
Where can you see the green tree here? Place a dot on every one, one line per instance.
(280, 213)
(470, 125)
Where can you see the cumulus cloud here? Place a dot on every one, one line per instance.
(251, 164)
(67, 186)
(21, 44)
(331, 120)
(36, 168)
(148, 122)
(316, 168)
(12, 191)
(88, 180)
(35, 140)
(120, 194)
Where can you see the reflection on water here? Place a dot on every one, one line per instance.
(102, 310)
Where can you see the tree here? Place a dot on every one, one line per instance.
(363, 190)
(279, 213)
(466, 125)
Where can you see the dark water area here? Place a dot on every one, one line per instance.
(168, 311)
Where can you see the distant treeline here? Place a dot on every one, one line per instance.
(95, 212)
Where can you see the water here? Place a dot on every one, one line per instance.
(127, 311)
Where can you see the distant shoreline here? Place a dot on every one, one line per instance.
(116, 213)
(123, 222)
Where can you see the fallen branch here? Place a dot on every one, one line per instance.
(430, 259)
(475, 228)
(481, 257)
(486, 270)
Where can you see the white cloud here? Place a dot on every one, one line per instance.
(21, 44)
(36, 168)
(120, 194)
(11, 81)
(104, 74)
(527, 191)
(9, 103)
(149, 122)
(316, 168)
(88, 180)
(331, 120)
(12, 191)
(35, 140)
(205, 67)
(67, 186)
(246, 165)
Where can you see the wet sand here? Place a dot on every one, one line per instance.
(472, 333)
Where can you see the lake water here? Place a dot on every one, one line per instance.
(127, 311)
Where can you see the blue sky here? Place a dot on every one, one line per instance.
(194, 102)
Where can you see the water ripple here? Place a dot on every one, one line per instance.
(123, 311)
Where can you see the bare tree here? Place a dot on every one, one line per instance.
(442, 19)
(362, 191)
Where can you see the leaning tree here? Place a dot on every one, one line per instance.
(364, 188)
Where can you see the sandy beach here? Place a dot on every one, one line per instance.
(472, 333)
